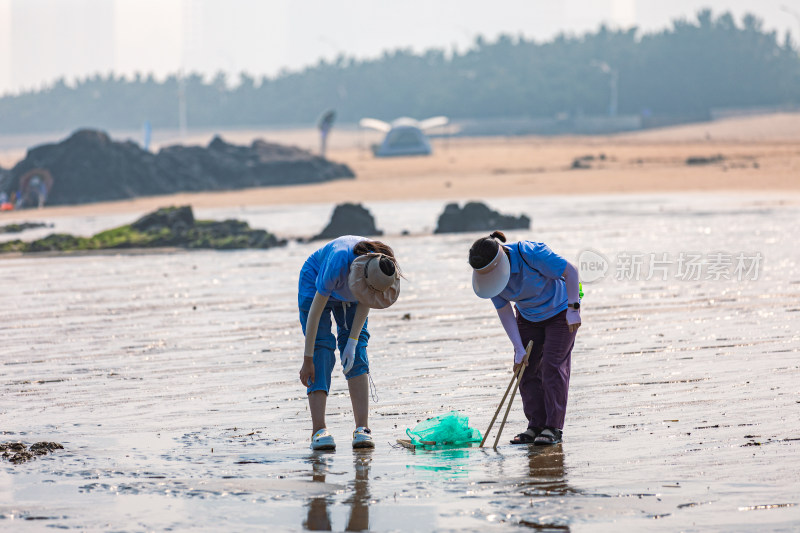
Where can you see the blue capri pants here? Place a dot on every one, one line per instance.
(326, 343)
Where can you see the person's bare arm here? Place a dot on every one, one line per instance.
(312, 325)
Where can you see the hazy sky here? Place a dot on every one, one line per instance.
(41, 40)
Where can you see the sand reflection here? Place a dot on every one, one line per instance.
(547, 479)
(547, 473)
(318, 516)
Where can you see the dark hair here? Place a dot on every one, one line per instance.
(485, 249)
(373, 247)
(388, 266)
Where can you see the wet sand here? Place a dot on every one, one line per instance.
(171, 381)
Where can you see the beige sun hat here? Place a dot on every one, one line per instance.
(371, 285)
(489, 281)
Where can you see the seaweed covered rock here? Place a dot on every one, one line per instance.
(19, 227)
(89, 167)
(55, 242)
(477, 216)
(166, 227)
(349, 219)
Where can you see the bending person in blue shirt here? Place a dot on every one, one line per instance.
(544, 287)
(344, 278)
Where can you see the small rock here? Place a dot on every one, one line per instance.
(349, 219)
(16, 452)
(477, 216)
(580, 163)
(42, 448)
(700, 160)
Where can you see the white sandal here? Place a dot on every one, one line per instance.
(362, 438)
(322, 440)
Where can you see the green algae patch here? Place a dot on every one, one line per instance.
(166, 227)
(121, 237)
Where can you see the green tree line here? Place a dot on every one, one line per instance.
(684, 70)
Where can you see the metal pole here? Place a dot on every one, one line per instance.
(614, 82)
(182, 106)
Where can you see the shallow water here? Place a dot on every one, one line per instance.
(171, 381)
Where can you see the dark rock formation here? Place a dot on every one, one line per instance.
(349, 219)
(18, 452)
(167, 227)
(477, 216)
(90, 167)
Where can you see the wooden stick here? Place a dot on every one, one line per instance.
(513, 394)
(485, 435)
(508, 408)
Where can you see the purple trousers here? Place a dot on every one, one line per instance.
(545, 384)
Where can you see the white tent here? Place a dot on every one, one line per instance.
(404, 136)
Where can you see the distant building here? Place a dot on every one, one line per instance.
(404, 136)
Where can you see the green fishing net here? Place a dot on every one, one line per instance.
(444, 430)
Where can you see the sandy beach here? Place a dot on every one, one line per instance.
(757, 154)
(171, 378)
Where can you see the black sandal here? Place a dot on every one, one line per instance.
(549, 436)
(525, 437)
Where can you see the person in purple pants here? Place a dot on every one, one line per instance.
(544, 287)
